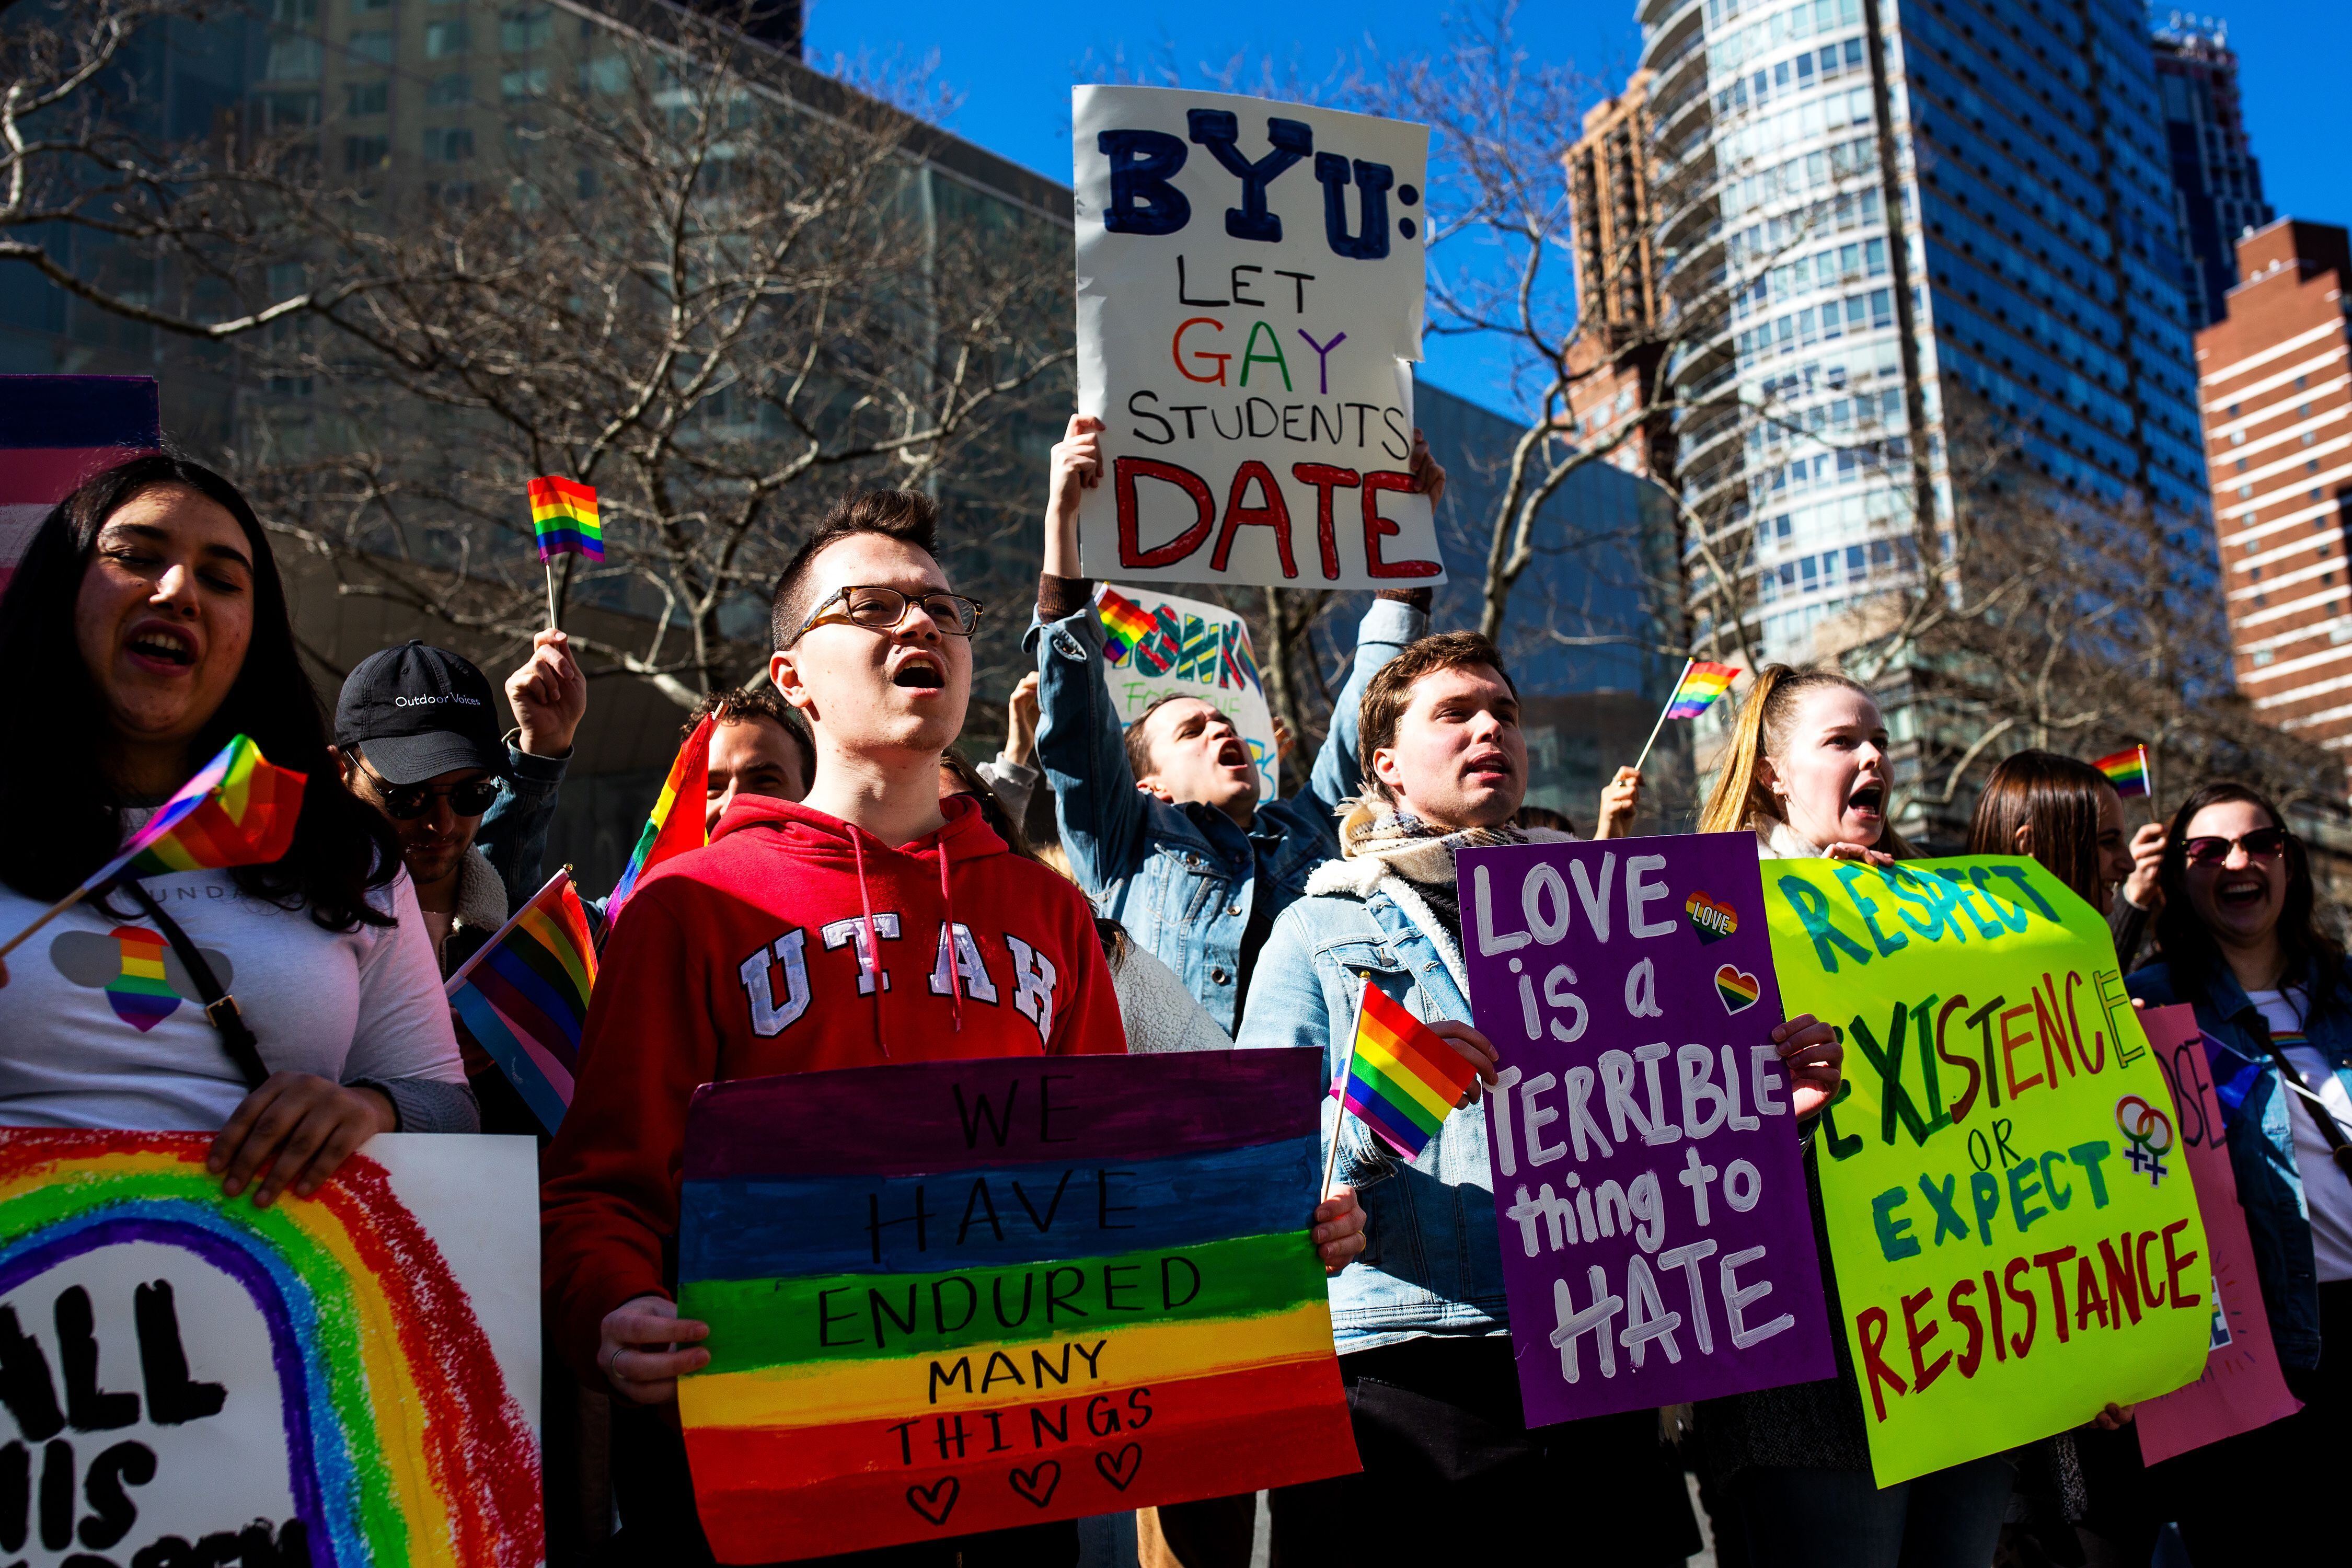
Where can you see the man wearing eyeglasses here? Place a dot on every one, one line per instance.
(417, 735)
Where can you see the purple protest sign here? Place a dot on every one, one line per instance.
(1649, 1188)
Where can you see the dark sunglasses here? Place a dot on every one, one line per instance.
(2262, 843)
(406, 803)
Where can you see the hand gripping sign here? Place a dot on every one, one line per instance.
(2014, 1231)
(1657, 1241)
(1249, 298)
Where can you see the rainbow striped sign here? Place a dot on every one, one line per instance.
(962, 1295)
(317, 1381)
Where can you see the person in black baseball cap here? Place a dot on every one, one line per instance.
(418, 736)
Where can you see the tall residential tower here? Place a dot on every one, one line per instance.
(2275, 373)
(2005, 158)
(2217, 185)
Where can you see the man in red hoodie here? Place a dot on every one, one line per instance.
(871, 922)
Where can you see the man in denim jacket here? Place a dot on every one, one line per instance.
(1161, 818)
(1420, 1320)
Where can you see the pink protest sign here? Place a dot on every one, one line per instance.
(2242, 1387)
(1649, 1189)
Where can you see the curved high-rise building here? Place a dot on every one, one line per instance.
(1913, 232)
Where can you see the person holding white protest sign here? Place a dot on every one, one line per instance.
(1422, 1320)
(1807, 772)
(1162, 818)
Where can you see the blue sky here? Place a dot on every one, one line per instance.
(1012, 67)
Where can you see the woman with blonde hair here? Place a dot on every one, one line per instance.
(1807, 772)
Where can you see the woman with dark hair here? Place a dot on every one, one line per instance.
(2241, 946)
(145, 627)
(2061, 812)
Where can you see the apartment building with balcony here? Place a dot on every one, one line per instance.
(2274, 376)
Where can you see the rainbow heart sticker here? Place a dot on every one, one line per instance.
(1712, 921)
(1738, 990)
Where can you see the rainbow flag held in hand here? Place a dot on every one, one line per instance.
(676, 823)
(1701, 684)
(1404, 1079)
(238, 810)
(564, 519)
(522, 999)
(2127, 770)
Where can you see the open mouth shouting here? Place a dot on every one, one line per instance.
(1232, 753)
(161, 648)
(919, 671)
(2241, 890)
(1868, 800)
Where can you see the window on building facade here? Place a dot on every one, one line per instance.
(447, 91)
(367, 97)
(443, 39)
(449, 143)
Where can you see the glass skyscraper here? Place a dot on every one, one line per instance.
(2008, 157)
(2217, 184)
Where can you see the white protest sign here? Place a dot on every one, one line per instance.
(1190, 649)
(348, 1378)
(1249, 299)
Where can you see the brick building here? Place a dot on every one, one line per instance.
(2274, 383)
(1612, 223)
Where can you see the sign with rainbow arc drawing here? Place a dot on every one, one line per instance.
(347, 1379)
(960, 1296)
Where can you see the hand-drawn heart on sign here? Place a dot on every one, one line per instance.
(1737, 988)
(1712, 921)
(936, 1501)
(1120, 1468)
(1037, 1483)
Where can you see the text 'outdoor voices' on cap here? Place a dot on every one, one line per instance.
(418, 713)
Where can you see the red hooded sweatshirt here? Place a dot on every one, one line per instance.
(752, 956)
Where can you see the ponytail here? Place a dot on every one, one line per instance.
(1740, 799)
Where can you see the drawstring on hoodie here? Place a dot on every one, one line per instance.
(955, 954)
(872, 956)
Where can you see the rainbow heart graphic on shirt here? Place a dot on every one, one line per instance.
(1737, 988)
(134, 967)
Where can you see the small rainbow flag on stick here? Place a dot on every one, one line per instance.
(1402, 1080)
(564, 519)
(1125, 623)
(676, 824)
(2127, 770)
(1694, 694)
(522, 999)
(237, 810)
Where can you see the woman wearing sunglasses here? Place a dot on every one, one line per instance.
(2241, 945)
(145, 627)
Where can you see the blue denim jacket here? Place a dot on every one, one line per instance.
(2262, 1140)
(513, 832)
(1183, 880)
(1431, 1262)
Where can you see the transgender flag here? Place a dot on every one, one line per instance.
(54, 432)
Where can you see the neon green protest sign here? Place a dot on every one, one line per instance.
(2014, 1236)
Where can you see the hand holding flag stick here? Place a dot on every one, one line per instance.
(1403, 1078)
(237, 810)
(1695, 692)
(564, 520)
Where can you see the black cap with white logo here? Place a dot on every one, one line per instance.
(418, 713)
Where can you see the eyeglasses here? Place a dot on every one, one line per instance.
(879, 610)
(2262, 843)
(406, 803)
